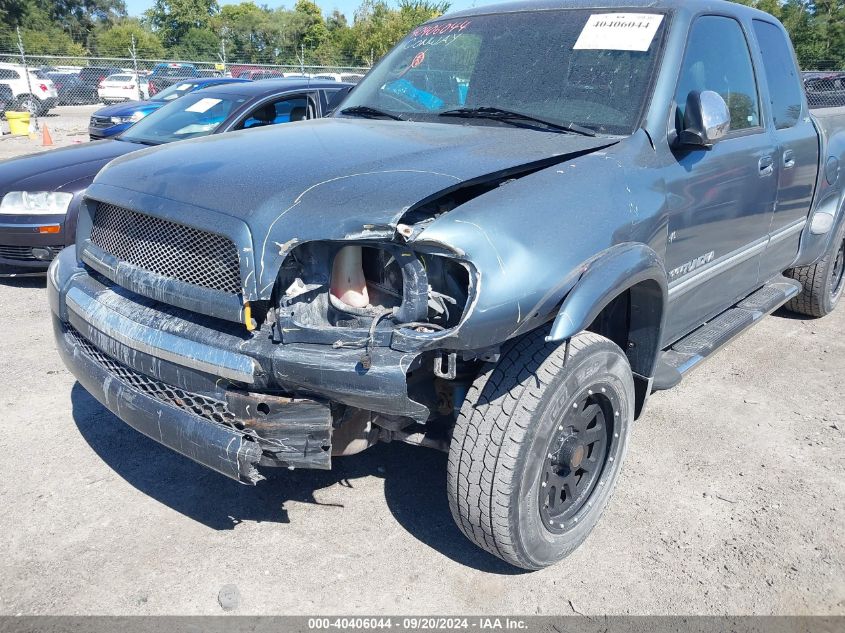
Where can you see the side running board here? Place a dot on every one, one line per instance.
(710, 337)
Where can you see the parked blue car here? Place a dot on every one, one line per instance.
(114, 119)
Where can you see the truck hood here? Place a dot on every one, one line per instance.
(331, 172)
(55, 169)
(331, 179)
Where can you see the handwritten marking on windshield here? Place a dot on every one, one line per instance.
(440, 28)
(441, 34)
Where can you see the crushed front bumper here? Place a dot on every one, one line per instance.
(217, 422)
(205, 387)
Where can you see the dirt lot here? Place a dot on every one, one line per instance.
(731, 501)
(67, 125)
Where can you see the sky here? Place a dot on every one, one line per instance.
(137, 7)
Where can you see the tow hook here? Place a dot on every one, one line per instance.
(451, 366)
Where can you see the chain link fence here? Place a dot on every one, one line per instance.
(824, 82)
(38, 83)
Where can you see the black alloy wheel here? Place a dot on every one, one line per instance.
(577, 455)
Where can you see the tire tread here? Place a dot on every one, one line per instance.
(493, 422)
(809, 301)
(815, 299)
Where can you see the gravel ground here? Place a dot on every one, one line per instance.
(730, 502)
(67, 125)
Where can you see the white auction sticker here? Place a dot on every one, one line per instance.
(619, 32)
(203, 105)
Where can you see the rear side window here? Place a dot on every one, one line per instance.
(781, 74)
(283, 111)
(717, 59)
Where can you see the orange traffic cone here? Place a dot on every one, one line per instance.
(46, 139)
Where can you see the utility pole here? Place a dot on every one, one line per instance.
(302, 59)
(26, 72)
(134, 53)
(222, 54)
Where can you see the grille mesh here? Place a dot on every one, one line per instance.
(202, 406)
(168, 249)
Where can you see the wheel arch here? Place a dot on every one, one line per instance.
(622, 294)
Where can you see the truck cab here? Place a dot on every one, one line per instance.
(525, 219)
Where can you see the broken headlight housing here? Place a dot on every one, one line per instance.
(341, 293)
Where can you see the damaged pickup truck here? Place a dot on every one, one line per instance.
(524, 220)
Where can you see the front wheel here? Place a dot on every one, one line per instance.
(538, 447)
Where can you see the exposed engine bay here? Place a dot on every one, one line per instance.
(357, 297)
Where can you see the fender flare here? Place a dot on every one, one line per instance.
(838, 221)
(605, 277)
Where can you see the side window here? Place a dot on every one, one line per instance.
(8, 74)
(781, 74)
(281, 111)
(718, 59)
(332, 98)
(326, 97)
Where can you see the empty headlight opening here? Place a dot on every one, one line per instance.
(376, 280)
(366, 280)
(345, 286)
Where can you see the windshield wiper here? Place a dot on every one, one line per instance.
(137, 141)
(509, 116)
(368, 112)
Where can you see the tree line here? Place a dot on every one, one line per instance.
(817, 29)
(202, 30)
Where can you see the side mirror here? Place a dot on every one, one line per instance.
(335, 98)
(706, 119)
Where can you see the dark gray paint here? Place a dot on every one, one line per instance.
(579, 222)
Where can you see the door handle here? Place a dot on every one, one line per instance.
(767, 166)
(788, 159)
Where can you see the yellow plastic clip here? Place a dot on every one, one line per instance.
(248, 322)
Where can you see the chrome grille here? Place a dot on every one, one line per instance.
(202, 406)
(168, 249)
(100, 122)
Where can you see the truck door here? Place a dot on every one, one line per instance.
(720, 199)
(797, 154)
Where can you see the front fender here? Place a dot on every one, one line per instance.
(620, 268)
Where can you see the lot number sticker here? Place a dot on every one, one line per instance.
(619, 32)
(203, 105)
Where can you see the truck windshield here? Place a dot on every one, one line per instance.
(586, 68)
(195, 114)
